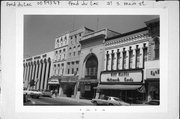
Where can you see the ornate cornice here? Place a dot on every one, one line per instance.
(125, 40)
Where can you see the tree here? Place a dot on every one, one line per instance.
(32, 83)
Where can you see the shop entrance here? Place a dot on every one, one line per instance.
(90, 80)
(54, 87)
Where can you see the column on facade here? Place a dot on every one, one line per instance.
(42, 77)
(33, 71)
(27, 74)
(25, 77)
(134, 56)
(35, 75)
(105, 60)
(127, 58)
(32, 66)
(46, 76)
(120, 59)
(115, 60)
(24, 70)
(109, 60)
(141, 56)
(45, 71)
(39, 75)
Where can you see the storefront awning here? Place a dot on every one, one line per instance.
(119, 87)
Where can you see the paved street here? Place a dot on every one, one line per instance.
(58, 101)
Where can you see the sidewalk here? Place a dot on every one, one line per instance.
(80, 101)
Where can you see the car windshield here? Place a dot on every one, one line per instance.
(117, 99)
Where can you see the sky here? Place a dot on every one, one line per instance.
(40, 31)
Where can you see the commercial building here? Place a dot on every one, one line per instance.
(66, 63)
(59, 62)
(128, 57)
(87, 64)
(37, 71)
(91, 61)
(152, 66)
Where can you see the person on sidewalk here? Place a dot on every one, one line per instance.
(56, 93)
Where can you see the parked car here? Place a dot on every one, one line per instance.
(46, 93)
(153, 102)
(34, 93)
(108, 100)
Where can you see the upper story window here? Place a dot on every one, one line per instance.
(138, 58)
(118, 58)
(113, 60)
(156, 48)
(130, 59)
(57, 43)
(124, 59)
(79, 52)
(145, 56)
(65, 40)
(107, 61)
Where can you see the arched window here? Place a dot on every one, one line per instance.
(91, 67)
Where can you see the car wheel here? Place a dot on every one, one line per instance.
(95, 103)
(110, 104)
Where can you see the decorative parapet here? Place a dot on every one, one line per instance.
(125, 40)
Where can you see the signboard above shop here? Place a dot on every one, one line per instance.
(53, 81)
(121, 76)
(152, 73)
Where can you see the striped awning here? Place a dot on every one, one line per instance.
(118, 87)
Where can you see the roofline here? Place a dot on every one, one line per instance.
(83, 27)
(95, 32)
(62, 34)
(128, 33)
(152, 21)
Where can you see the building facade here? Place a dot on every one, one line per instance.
(126, 61)
(37, 71)
(152, 66)
(66, 68)
(91, 61)
(89, 64)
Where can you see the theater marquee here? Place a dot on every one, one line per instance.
(122, 76)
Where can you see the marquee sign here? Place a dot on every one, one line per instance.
(122, 76)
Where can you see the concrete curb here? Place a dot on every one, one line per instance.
(84, 101)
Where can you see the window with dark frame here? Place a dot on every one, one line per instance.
(130, 59)
(124, 59)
